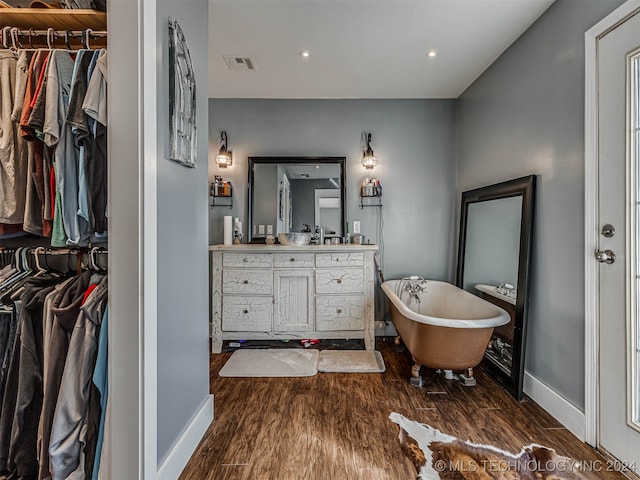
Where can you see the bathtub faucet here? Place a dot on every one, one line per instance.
(413, 286)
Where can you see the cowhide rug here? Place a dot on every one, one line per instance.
(438, 456)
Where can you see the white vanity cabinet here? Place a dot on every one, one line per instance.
(261, 292)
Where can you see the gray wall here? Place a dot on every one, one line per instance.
(303, 200)
(413, 139)
(492, 246)
(266, 190)
(525, 115)
(183, 274)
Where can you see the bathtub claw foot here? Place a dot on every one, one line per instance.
(415, 370)
(396, 341)
(416, 381)
(467, 380)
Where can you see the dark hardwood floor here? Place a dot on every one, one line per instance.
(336, 426)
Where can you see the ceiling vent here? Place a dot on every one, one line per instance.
(239, 63)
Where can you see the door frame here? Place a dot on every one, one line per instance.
(591, 230)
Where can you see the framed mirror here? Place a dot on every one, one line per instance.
(494, 262)
(291, 194)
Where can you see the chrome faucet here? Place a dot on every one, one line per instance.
(507, 289)
(412, 286)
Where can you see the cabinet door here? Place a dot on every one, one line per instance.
(348, 280)
(340, 312)
(246, 314)
(293, 298)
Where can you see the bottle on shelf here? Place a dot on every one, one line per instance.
(215, 186)
(371, 187)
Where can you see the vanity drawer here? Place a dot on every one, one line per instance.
(249, 260)
(340, 281)
(339, 312)
(256, 282)
(293, 260)
(340, 259)
(246, 314)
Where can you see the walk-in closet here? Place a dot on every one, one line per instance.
(53, 242)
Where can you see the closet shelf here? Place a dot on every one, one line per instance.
(58, 19)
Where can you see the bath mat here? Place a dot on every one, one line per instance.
(438, 456)
(350, 361)
(272, 362)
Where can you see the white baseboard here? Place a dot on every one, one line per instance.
(178, 457)
(559, 407)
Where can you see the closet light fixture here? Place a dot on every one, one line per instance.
(225, 156)
(369, 159)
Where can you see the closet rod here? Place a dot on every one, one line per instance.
(10, 36)
(57, 33)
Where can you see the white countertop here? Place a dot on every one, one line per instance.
(491, 290)
(259, 247)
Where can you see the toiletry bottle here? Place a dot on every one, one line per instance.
(227, 189)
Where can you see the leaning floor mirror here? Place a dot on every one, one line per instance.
(494, 263)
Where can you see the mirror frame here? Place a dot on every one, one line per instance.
(294, 160)
(525, 187)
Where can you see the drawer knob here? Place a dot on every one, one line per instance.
(339, 281)
(292, 259)
(245, 311)
(339, 310)
(245, 281)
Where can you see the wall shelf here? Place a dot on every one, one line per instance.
(227, 201)
(58, 19)
(371, 201)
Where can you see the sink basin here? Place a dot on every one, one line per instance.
(294, 238)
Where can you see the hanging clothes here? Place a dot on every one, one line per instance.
(35, 147)
(95, 106)
(53, 166)
(66, 157)
(55, 393)
(101, 383)
(65, 309)
(73, 416)
(13, 150)
(25, 382)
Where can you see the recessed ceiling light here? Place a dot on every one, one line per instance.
(317, 166)
(432, 53)
(305, 53)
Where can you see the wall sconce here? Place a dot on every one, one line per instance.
(225, 157)
(369, 159)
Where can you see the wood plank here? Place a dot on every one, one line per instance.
(58, 19)
(336, 426)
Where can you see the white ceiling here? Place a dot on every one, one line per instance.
(313, 172)
(360, 48)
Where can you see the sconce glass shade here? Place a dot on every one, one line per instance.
(224, 158)
(369, 159)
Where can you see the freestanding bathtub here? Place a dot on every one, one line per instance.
(448, 329)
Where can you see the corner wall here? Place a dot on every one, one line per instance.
(414, 140)
(182, 272)
(158, 322)
(525, 115)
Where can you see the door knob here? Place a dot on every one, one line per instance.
(605, 256)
